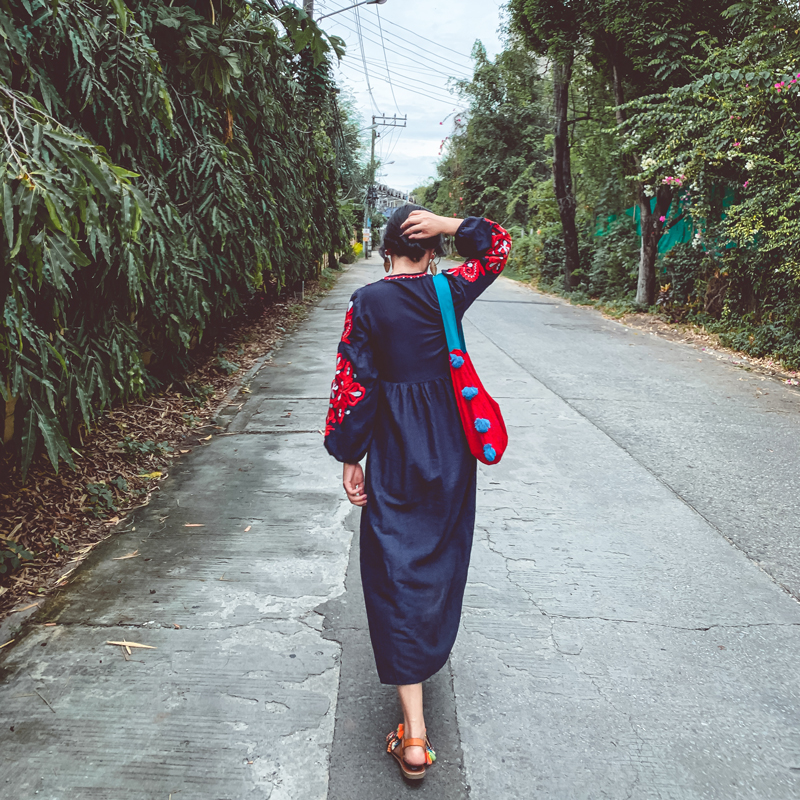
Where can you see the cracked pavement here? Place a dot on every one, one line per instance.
(630, 630)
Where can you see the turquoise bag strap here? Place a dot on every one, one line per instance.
(452, 328)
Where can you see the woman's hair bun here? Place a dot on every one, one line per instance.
(398, 244)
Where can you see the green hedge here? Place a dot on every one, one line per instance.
(164, 164)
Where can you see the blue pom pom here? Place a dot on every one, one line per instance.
(489, 453)
(468, 392)
(456, 361)
(482, 425)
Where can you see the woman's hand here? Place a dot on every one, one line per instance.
(424, 225)
(353, 481)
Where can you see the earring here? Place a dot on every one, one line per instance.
(387, 263)
(433, 266)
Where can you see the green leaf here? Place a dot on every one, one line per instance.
(8, 213)
(51, 210)
(29, 438)
(122, 14)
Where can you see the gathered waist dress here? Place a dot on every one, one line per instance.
(392, 400)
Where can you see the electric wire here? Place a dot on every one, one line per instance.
(424, 38)
(429, 91)
(422, 48)
(415, 89)
(419, 69)
(416, 57)
(386, 59)
(405, 50)
(438, 44)
(364, 60)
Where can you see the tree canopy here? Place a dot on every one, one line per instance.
(682, 143)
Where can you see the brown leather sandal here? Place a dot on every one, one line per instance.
(396, 745)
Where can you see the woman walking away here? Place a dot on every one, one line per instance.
(393, 399)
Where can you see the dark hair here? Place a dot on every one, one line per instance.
(398, 244)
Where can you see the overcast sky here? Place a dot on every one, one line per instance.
(426, 43)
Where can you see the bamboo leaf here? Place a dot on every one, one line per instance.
(8, 213)
(29, 438)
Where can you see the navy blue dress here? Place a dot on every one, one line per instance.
(392, 399)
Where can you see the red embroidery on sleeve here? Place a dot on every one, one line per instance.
(348, 324)
(471, 270)
(497, 255)
(345, 394)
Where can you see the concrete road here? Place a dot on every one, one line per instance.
(630, 631)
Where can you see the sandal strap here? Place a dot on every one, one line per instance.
(413, 743)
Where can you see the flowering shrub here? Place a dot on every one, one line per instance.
(730, 142)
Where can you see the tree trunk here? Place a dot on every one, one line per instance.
(652, 228)
(562, 168)
(619, 96)
(652, 225)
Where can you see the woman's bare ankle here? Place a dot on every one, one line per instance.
(414, 729)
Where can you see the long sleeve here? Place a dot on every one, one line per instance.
(351, 413)
(486, 246)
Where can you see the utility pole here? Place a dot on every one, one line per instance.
(384, 122)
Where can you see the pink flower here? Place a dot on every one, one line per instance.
(746, 183)
(737, 144)
(662, 219)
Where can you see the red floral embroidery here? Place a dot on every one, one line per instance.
(494, 260)
(497, 254)
(348, 324)
(345, 393)
(471, 270)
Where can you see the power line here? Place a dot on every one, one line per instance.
(410, 69)
(439, 45)
(364, 59)
(415, 89)
(386, 59)
(425, 89)
(414, 58)
(422, 54)
(424, 51)
(424, 38)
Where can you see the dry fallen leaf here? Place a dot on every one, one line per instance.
(152, 475)
(194, 525)
(247, 528)
(175, 625)
(186, 451)
(206, 438)
(129, 555)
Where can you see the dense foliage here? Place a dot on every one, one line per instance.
(165, 163)
(685, 117)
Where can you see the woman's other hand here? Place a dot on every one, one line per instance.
(353, 481)
(425, 225)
